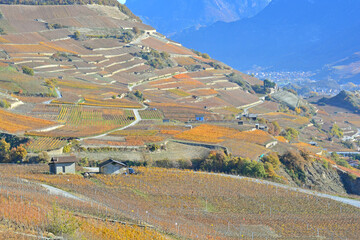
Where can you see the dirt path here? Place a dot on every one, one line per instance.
(59, 192)
(353, 202)
(137, 120)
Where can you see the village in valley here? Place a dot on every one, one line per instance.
(110, 130)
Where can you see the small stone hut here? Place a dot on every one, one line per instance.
(62, 165)
(112, 167)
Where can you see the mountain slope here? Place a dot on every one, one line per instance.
(173, 16)
(297, 34)
(345, 99)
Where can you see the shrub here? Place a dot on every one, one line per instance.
(153, 147)
(270, 171)
(76, 35)
(273, 159)
(4, 104)
(67, 149)
(43, 157)
(61, 222)
(27, 70)
(295, 165)
(205, 55)
(352, 177)
(165, 163)
(290, 134)
(139, 95)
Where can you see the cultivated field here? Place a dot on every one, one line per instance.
(204, 206)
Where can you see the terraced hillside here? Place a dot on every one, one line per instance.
(94, 82)
(99, 58)
(91, 72)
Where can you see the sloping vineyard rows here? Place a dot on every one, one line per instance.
(205, 206)
(27, 210)
(151, 114)
(45, 144)
(77, 115)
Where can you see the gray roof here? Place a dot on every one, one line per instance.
(65, 159)
(111, 161)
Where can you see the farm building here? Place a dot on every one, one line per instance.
(261, 127)
(62, 165)
(112, 167)
(252, 117)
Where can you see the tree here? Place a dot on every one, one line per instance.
(272, 158)
(295, 165)
(269, 84)
(335, 131)
(18, 154)
(4, 150)
(76, 35)
(269, 168)
(27, 70)
(126, 37)
(139, 95)
(277, 128)
(291, 133)
(205, 55)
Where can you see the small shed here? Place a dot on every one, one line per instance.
(199, 117)
(62, 165)
(112, 167)
(253, 117)
(165, 120)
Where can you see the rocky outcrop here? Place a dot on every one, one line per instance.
(352, 185)
(320, 178)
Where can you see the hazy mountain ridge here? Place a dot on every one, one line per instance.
(290, 35)
(173, 16)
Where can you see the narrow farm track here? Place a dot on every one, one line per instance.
(352, 202)
(252, 105)
(58, 97)
(59, 192)
(137, 120)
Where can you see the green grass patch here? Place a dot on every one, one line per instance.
(179, 92)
